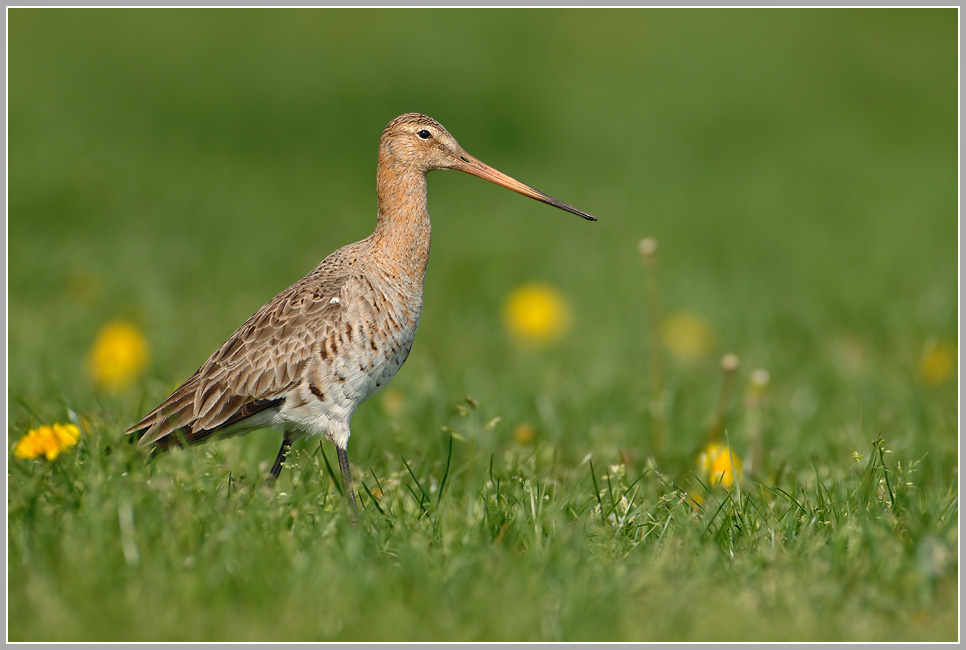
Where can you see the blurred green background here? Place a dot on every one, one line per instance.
(798, 169)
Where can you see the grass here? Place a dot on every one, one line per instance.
(798, 170)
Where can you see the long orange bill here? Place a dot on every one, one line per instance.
(471, 165)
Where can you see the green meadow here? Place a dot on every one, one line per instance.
(798, 169)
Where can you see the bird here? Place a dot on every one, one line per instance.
(305, 360)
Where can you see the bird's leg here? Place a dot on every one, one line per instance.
(277, 466)
(350, 497)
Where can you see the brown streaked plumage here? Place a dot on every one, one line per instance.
(304, 361)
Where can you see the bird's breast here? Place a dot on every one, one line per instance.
(358, 356)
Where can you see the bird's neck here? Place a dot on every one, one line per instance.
(402, 231)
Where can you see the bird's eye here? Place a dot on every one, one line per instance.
(424, 134)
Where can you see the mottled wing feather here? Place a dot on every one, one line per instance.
(253, 369)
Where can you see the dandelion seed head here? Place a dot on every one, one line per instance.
(647, 247)
(759, 380)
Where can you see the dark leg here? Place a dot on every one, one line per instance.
(350, 497)
(277, 467)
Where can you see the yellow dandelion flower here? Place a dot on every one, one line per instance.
(47, 441)
(536, 314)
(937, 362)
(119, 354)
(687, 335)
(719, 464)
(523, 433)
(393, 401)
(83, 287)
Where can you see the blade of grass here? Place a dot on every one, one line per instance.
(328, 467)
(381, 489)
(880, 448)
(373, 498)
(418, 499)
(419, 485)
(593, 477)
(778, 492)
(442, 483)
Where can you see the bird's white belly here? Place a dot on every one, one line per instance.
(324, 401)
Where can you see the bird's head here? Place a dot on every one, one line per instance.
(418, 141)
